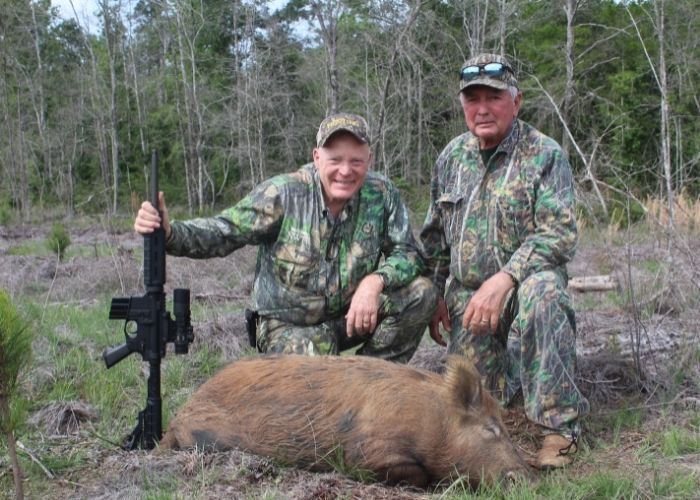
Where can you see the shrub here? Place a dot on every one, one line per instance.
(58, 240)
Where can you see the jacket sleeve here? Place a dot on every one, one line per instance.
(253, 220)
(553, 242)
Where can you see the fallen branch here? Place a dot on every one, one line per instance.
(593, 283)
(48, 473)
(216, 297)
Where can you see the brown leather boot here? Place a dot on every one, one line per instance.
(557, 451)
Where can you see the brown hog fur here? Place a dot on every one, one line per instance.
(403, 424)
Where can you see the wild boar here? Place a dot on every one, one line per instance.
(404, 425)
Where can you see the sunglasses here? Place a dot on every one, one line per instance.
(494, 69)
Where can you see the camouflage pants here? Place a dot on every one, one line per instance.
(403, 314)
(533, 349)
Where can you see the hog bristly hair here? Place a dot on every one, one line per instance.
(463, 383)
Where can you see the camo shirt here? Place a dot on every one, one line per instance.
(309, 264)
(514, 214)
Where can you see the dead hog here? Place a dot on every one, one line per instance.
(403, 424)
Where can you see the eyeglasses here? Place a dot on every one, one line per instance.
(494, 69)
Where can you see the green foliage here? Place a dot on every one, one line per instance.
(677, 484)
(679, 441)
(625, 212)
(58, 240)
(29, 248)
(245, 103)
(15, 353)
(336, 460)
(623, 420)
(415, 197)
(6, 215)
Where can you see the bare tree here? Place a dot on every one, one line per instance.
(190, 22)
(570, 9)
(112, 32)
(475, 15)
(399, 42)
(37, 93)
(661, 78)
(327, 13)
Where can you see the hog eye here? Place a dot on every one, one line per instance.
(493, 430)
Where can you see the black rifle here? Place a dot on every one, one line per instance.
(154, 328)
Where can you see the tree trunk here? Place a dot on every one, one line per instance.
(659, 11)
(570, 8)
(12, 449)
(398, 41)
(327, 14)
(36, 84)
(662, 83)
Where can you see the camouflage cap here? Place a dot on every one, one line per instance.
(503, 81)
(346, 122)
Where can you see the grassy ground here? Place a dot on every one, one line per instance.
(639, 365)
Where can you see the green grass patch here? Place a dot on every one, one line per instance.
(652, 266)
(336, 460)
(678, 441)
(694, 422)
(618, 423)
(605, 485)
(30, 247)
(675, 484)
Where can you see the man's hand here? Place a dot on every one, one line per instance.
(484, 309)
(148, 219)
(362, 317)
(440, 316)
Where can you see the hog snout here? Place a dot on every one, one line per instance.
(512, 476)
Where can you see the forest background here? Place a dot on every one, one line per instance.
(231, 92)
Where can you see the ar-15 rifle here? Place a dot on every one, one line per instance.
(154, 327)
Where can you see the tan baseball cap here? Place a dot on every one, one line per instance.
(345, 122)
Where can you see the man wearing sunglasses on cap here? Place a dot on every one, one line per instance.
(499, 231)
(338, 266)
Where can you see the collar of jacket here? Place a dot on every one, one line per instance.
(507, 145)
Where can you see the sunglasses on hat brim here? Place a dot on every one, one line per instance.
(494, 70)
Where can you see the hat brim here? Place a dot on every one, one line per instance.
(360, 138)
(484, 81)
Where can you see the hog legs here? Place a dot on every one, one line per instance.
(407, 474)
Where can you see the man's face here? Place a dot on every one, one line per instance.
(489, 113)
(342, 164)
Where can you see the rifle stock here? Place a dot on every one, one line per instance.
(154, 328)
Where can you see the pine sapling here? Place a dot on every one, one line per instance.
(15, 351)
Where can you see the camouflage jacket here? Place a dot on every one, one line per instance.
(309, 265)
(514, 214)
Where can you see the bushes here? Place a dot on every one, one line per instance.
(58, 240)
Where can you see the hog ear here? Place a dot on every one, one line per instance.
(463, 382)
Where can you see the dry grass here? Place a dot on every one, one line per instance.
(686, 212)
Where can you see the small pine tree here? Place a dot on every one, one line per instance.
(15, 351)
(58, 240)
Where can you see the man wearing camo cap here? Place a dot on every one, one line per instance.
(338, 265)
(501, 227)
